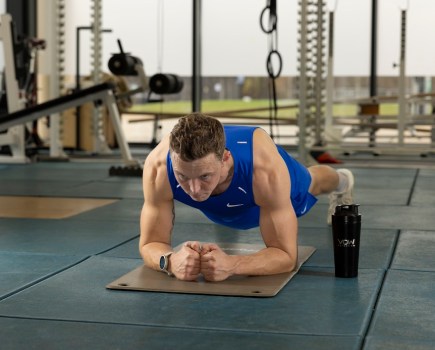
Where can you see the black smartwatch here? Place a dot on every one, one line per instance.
(164, 263)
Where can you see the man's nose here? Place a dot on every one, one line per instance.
(194, 186)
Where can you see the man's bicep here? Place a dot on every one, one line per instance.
(157, 214)
(279, 227)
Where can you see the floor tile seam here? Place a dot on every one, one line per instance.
(118, 245)
(83, 161)
(60, 194)
(331, 267)
(42, 177)
(190, 328)
(84, 183)
(128, 258)
(394, 248)
(98, 219)
(41, 279)
(411, 270)
(423, 230)
(379, 294)
(69, 194)
(412, 190)
(93, 219)
(45, 179)
(35, 253)
(82, 257)
(396, 243)
(93, 196)
(368, 323)
(404, 338)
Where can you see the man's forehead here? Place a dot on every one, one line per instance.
(205, 164)
(209, 158)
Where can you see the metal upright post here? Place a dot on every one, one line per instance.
(196, 61)
(311, 76)
(57, 75)
(373, 67)
(78, 84)
(402, 81)
(319, 77)
(330, 77)
(302, 116)
(98, 136)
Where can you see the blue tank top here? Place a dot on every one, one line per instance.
(236, 206)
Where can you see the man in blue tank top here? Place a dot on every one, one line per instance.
(237, 177)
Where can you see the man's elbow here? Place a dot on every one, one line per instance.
(142, 249)
(292, 264)
(145, 254)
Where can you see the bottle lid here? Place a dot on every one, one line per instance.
(347, 210)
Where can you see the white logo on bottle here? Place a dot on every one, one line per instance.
(346, 243)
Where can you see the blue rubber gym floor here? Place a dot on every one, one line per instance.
(53, 272)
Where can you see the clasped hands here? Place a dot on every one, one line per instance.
(207, 259)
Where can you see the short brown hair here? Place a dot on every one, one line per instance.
(196, 136)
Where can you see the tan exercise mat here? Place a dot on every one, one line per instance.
(146, 279)
(47, 207)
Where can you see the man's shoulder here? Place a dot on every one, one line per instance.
(155, 177)
(155, 166)
(159, 154)
(265, 152)
(263, 145)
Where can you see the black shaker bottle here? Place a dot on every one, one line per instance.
(346, 229)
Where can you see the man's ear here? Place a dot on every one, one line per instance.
(226, 156)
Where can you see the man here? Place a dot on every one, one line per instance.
(237, 177)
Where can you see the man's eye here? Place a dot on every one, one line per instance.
(205, 177)
(182, 177)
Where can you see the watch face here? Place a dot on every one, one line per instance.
(162, 262)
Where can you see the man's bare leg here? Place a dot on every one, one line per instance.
(324, 179)
(338, 183)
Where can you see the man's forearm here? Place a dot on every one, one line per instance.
(216, 265)
(267, 261)
(152, 252)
